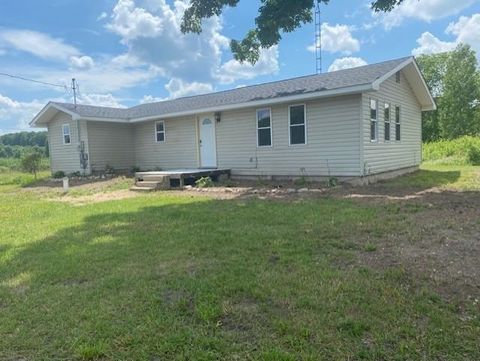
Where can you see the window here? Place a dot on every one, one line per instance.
(66, 134)
(397, 122)
(386, 118)
(298, 124)
(373, 120)
(397, 76)
(160, 131)
(264, 128)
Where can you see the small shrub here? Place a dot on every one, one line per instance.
(134, 170)
(75, 174)
(58, 174)
(204, 182)
(332, 182)
(31, 163)
(472, 155)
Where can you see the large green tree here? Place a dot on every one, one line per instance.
(433, 68)
(274, 18)
(454, 81)
(460, 96)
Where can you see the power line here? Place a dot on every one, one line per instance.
(33, 80)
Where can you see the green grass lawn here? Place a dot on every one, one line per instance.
(457, 177)
(169, 277)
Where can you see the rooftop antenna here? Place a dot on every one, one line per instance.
(318, 38)
(74, 88)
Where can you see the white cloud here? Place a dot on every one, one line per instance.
(38, 44)
(465, 30)
(425, 10)
(15, 115)
(82, 62)
(337, 39)
(132, 22)
(104, 100)
(102, 16)
(151, 99)
(267, 63)
(153, 37)
(429, 44)
(346, 63)
(179, 88)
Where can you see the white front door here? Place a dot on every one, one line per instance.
(208, 152)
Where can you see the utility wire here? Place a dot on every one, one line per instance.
(33, 81)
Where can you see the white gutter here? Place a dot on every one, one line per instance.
(94, 119)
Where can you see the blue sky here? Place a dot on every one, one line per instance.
(125, 52)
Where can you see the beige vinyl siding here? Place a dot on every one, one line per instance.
(332, 141)
(65, 157)
(382, 156)
(111, 143)
(179, 150)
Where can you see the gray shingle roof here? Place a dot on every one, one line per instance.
(362, 75)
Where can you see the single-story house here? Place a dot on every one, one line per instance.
(348, 123)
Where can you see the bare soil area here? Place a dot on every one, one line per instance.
(440, 240)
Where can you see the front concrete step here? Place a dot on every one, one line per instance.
(141, 189)
(147, 184)
(153, 178)
(151, 182)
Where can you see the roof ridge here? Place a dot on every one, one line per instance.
(277, 81)
(243, 87)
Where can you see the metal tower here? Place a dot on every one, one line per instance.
(318, 38)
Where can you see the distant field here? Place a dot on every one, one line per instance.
(7, 164)
(382, 272)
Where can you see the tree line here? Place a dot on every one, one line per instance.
(16, 145)
(454, 80)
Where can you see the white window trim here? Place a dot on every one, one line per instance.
(389, 122)
(164, 132)
(69, 134)
(399, 122)
(270, 127)
(304, 123)
(373, 120)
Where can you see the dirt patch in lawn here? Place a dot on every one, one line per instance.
(96, 197)
(79, 185)
(84, 191)
(439, 240)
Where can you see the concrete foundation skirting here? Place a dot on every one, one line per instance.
(353, 180)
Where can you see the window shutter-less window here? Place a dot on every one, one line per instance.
(298, 124)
